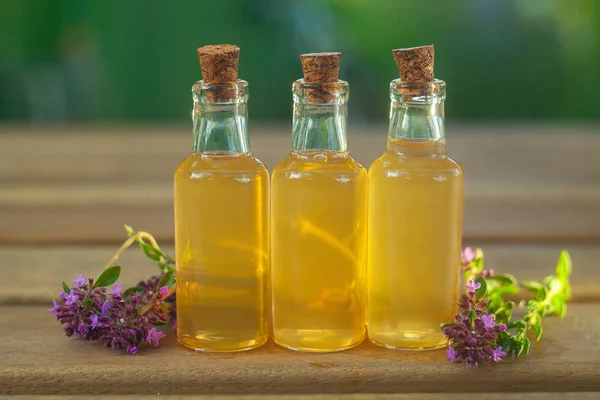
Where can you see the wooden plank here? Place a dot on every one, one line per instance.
(41, 269)
(510, 153)
(38, 359)
(347, 396)
(95, 213)
(522, 183)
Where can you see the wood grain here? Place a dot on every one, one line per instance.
(38, 359)
(347, 396)
(79, 185)
(40, 270)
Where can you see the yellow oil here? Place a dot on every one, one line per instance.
(318, 251)
(221, 238)
(415, 228)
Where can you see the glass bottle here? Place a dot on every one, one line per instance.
(318, 228)
(221, 227)
(415, 224)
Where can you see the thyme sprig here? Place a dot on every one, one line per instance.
(494, 292)
(123, 319)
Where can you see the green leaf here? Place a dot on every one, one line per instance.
(482, 289)
(564, 266)
(108, 277)
(151, 252)
(518, 346)
(559, 306)
(167, 280)
(513, 324)
(555, 285)
(526, 345)
(504, 279)
(66, 288)
(532, 286)
(448, 325)
(160, 322)
(541, 295)
(472, 316)
(133, 290)
(87, 303)
(537, 328)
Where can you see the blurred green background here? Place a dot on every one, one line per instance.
(84, 60)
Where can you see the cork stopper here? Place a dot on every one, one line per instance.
(415, 66)
(219, 64)
(321, 68)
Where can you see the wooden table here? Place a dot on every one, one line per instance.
(65, 194)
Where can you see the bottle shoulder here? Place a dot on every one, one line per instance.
(297, 169)
(221, 163)
(319, 162)
(435, 164)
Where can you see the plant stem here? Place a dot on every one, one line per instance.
(151, 304)
(132, 239)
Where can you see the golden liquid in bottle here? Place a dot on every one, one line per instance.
(221, 236)
(415, 228)
(318, 251)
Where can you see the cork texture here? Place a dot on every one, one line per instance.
(415, 64)
(219, 64)
(321, 68)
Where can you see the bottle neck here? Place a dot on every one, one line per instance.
(320, 116)
(220, 118)
(417, 118)
(320, 127)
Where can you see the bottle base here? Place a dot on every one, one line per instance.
(317, 340)
(316, 350)
(412, 341)
(249, 345)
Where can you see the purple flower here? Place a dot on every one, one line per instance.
(70, 298)
(121, 323)
(54, 310)
(106, 306)
(149, 287)
(451, 353)
(473, 344)
(164, 291)
(487, 272)
(473, 286)
(498, 354)
(489, 321)
(154, 336)
(80, 281)
(82, 330)
(468, 255)
(117, 290)
(95, 322)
